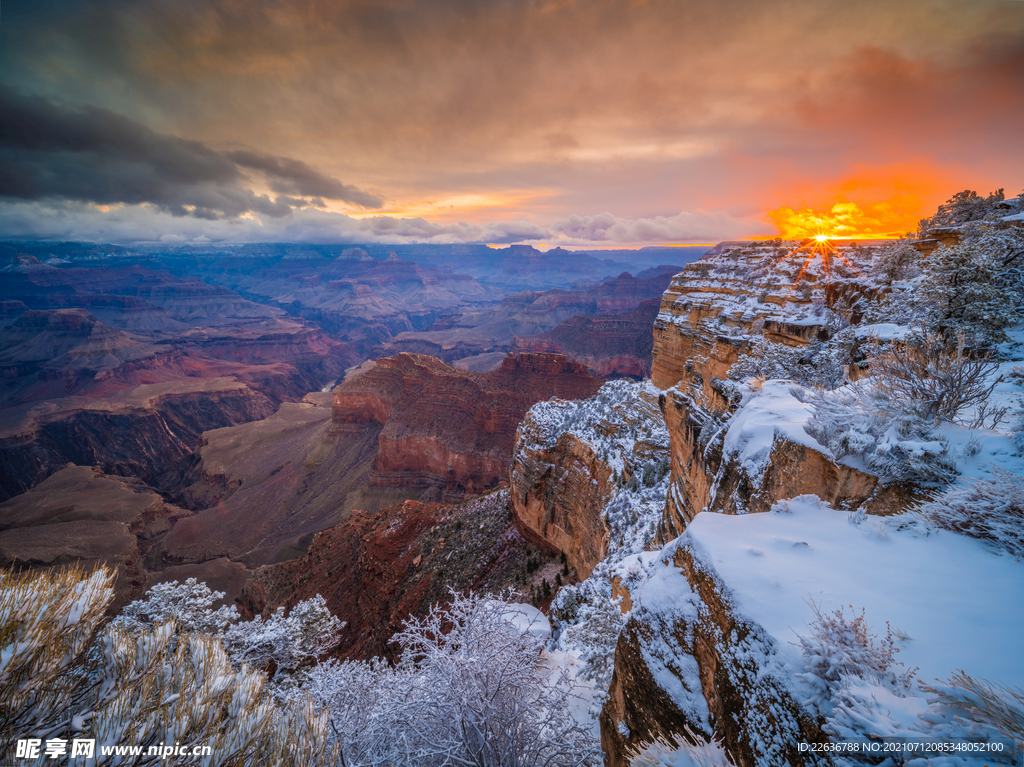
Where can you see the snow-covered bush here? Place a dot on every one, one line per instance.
(282, 646)
(975, 286)
(983, 702)
(816, 364)
(189, 603)
(896, 262)
(469, 688)
(840, 647)
(285, 643)
(144, 685)
(935, 381)
(592, 628)
(695, 752)
(46, 623)
(894, 443)
(990, 509)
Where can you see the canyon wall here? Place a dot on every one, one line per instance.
(447, 429)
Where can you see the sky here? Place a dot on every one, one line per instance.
(581, 123)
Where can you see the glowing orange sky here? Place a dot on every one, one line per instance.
(585, 122)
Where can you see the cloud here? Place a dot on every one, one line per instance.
(295, 177)
(51, 151)
(125, 224)
(681, 228)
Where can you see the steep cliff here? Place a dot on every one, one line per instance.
(734, 625)
(574, 464)
(447, 430)
(146, 431)
(738, 299)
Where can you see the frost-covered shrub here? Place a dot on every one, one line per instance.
(144, 685)
(935, 381)
(469, 688)
(975, 286)
(282, 645)
(983, 702)
(46, 623)
(840, 647)
(592, 631)
(695, 752)
(816, 364)
(895, 262)
(189, 603)
(285, 642)
(990, 509)
(893, 443)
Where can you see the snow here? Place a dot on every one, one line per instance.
(883, 331)
(666, 596)
(529, 620)
(961, 605)
(752, 430)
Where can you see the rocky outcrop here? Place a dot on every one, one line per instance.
(572, 458)
(714, 312)
(450, 429)
(611, 345)
(378, 570)
(262, 489)
(689, 661)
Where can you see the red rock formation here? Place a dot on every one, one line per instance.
(145, 431)
(450, 427)
(562, 478)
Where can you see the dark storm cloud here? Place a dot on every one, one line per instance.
(51, 151)
(295, 177)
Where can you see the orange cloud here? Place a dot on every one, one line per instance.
(869, 203)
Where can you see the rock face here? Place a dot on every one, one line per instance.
(262, 489)
(689, 660)
(377, 570)
(81, 515)
(712, 313)
(611, 345)
(447, 430)
(572, 458)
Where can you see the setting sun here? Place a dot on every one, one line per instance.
(843, 220)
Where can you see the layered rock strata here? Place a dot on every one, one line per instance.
(146, 431)
(449, 429)
(713, 313)
(81, 516)
(377, 570)
(572, 458)
(611, 345)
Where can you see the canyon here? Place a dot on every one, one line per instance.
(383, 431)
